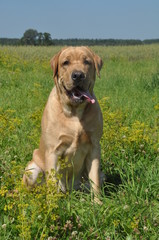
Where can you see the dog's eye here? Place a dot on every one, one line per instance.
(87, 62)
(65, 63)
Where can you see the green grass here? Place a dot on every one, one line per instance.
(128, 91)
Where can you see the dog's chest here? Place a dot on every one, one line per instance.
(74, 139)
(82, 137)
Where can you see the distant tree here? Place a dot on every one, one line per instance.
(40, 40)
(30, 37)
(47, 38)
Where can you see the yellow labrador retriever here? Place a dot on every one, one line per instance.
(71, 122)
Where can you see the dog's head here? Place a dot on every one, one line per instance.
(74, 70)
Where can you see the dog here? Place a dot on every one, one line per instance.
(72, 123)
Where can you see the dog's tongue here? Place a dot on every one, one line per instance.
(87, 95)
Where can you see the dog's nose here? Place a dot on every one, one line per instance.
(78, 76)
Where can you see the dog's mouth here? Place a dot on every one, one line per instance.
(79, 95)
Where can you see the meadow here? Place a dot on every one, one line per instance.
(128, 92)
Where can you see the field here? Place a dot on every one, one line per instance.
(128, 92)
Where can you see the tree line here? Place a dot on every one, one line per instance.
(34, 38)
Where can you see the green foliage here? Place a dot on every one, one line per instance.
(118, 137)
(154, 83)
(28, 211)
(128, 92)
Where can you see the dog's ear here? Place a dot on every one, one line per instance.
(98, 64)
(97, 61)
(54, 64)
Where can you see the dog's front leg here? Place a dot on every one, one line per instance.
(51, 164)
(53, 171)
(93, 169)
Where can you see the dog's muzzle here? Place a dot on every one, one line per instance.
(79, 95)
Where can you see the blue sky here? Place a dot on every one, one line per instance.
(120, 19)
